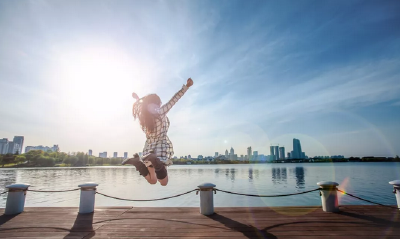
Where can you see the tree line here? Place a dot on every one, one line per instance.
(39, 158)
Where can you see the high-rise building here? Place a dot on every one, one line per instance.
(20, 141)
(271, 152)
(115, 155)
(3, 146)
(216, 154)
(276, 152)
(226, 153)
(296, 153)
(13, 148)
(90, 152)
(103, 155)
(249, 153)
(288, 155)
(232, 154)
(282, 153)
(125, 155)
(255, 155)
(55, 148)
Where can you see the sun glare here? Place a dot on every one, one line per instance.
(98, 78)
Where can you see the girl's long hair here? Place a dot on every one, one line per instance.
(146, 110)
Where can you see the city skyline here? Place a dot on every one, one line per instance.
(274, 151)
(323, 72)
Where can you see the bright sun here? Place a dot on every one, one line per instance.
(97, 78)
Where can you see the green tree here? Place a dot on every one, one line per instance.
(20, 159)
(92, 160)
(67, 161)
(62, 157)
(73, 160)
(33, 156)
(46, 161)
(7, 159)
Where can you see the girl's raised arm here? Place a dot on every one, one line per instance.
(166, 107)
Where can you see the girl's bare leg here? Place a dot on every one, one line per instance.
(151, 177)
(163, 181)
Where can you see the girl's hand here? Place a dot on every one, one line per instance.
(189, 82)
(135, 96)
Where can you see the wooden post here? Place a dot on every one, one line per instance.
(396, 190)
(16, 198)
(329, 196)
(206, 198)
(88, 192)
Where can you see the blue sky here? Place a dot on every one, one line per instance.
(327, 73)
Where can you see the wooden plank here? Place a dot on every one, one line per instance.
(254, 222)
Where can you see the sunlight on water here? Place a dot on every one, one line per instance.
(367, 180)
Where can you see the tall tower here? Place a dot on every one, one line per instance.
(226, 153)
(115, 155)
(297, 153)
(3, 146)
(232, 154)
(271, 152)
(276, 152)
(282, 153)
(249, 153)
(20, 141)
(125, 155)
(90, 152)
(255, 155)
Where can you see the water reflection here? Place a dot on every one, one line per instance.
(232, 171)
(279, 175)
(250, 174)
(299, 174)
(256, 173)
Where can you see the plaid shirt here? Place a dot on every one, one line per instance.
(158, 139)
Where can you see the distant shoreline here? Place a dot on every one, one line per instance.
(189, 164)
(39, 158)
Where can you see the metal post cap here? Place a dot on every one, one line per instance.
(18, 186)
(395, 182)
(326, 184)
(88, 185)
(206, 185)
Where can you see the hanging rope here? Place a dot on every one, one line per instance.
(351, 195)
(146, 200)
(280, 195)
(60, 191)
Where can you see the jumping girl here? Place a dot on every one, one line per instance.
(158, 149)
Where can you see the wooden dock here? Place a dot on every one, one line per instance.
(237, 222)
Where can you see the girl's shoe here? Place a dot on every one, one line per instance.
(140, 166)
(132, 161)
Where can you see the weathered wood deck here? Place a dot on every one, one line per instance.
(232, 223)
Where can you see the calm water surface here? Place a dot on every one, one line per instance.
(367, 180)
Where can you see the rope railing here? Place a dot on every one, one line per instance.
(146, 200)
(279, 195)
(327, 191)
(58, 191)
(362, 199)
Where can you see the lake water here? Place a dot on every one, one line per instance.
(366, 180)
